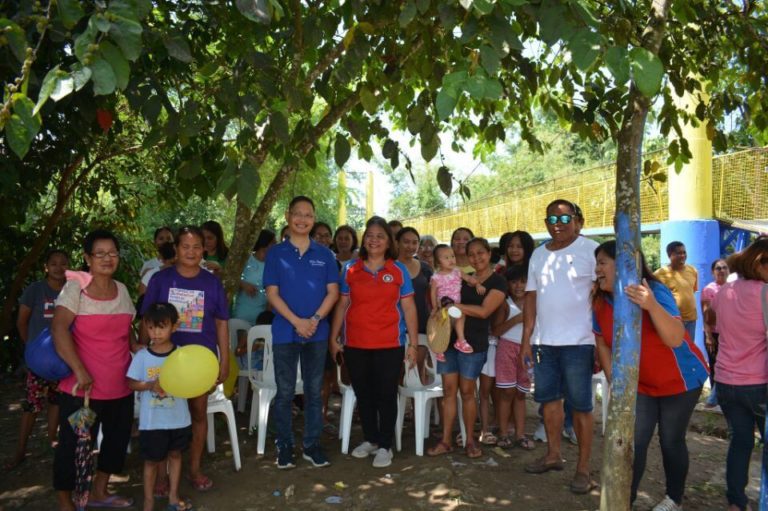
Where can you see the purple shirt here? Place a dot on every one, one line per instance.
(200, 301)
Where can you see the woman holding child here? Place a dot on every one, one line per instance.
(460, 370)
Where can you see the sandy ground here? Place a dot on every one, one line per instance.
(444, 483)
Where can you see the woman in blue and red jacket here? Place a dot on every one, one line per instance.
(672, 371)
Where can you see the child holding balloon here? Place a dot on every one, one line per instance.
(164, 421)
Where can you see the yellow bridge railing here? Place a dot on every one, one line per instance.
(740, 191)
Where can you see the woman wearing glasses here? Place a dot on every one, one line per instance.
(720, 272)
(92, 332)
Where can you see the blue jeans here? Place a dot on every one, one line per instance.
(286, 359)
(744, 408)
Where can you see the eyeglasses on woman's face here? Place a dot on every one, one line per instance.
(102, 255)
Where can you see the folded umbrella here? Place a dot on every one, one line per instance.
(81, 422)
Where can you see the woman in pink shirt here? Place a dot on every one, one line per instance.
(742, 362)
(711, 334)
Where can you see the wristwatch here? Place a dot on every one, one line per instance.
(316, 317)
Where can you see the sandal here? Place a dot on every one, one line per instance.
(472, 450)
(525, 443)
(505, 442)
(439, 449)
(182, 505)
(541, 465)
(582, 483)
(201, 482)
(161, 489)
(488, 438)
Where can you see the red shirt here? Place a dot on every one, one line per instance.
(374, 318)
(664, 371)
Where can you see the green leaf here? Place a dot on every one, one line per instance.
(279, 126)
(16, 39)
(445, 103)
(49, 83)
(389, 149)
(104, 80)
(248, 184)
(341, 150)
(407, 14)
(178, 48)
(191, 168)
(80, 75)
(23, 125)
(102, 23)
(130, 9)
(84, 40)
(369, 100)
(429, 147)
(585, 48)
(455, 80)
(647, 71)
(127, 34)
(483, 6)
(120, 66)
(416, 119)
(227, 179)
(423, 5)
(490, 59)
(445, 180)
(617, 60)
(255, 10)
(554, 23)
(364, 152)
(70, 12)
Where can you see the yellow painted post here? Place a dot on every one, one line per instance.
(342, 216)
(369, 196)
(690, 191)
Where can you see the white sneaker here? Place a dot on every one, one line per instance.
(541, 434)
(383, 458)
(364, 450)
(570, 434)
(667, 505)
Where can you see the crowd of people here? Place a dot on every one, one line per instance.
(497, 325)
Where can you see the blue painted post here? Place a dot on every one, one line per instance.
(764, 477)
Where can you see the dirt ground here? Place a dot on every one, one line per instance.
(444, 483)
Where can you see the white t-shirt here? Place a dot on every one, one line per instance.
(150, 264)
(514, 334)
(562, 280)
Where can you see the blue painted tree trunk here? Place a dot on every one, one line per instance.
(764, 478)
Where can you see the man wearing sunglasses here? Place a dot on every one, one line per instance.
(557, 304)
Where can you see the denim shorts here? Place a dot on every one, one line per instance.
(468, 365)
(564, 372)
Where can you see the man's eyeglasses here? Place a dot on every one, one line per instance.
(563, 219)
(102, 255)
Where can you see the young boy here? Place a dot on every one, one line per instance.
(164, 421)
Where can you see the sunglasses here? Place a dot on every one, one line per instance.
(563, 219)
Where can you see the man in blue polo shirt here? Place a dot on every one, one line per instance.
(302, 283)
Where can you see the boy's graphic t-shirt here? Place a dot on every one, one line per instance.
(156, 411)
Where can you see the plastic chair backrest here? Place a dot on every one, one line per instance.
(234, 326)
(412, 380)
(263, 332)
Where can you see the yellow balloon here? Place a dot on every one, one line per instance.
(190, 371)
(231, 381)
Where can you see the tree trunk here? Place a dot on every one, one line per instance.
(620, 431)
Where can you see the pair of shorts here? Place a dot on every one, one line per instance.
(489, 368)
(511, 372)
(39, 390)
(564, 372)
(468, 365)
(155, 444)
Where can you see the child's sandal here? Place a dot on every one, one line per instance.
(488, 438)
(525, 443)
(504, 442)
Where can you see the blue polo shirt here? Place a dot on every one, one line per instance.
(302, 282)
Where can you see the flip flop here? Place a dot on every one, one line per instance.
(182, 505)
(472, 450)
(112, 502)
(582, 484)
(161, 490)
(439, 449)
(525, 443)
(201, 482)
(541, 465)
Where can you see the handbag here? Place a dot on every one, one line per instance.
(42, 359)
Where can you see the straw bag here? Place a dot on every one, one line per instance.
(439, 331)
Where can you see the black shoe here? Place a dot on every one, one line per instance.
(285, 459)
(315, 455)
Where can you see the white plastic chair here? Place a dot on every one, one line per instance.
(242, 379)
(605, 393)
(218, 403)
(348, 401)
(412, 388)
(263, 384)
